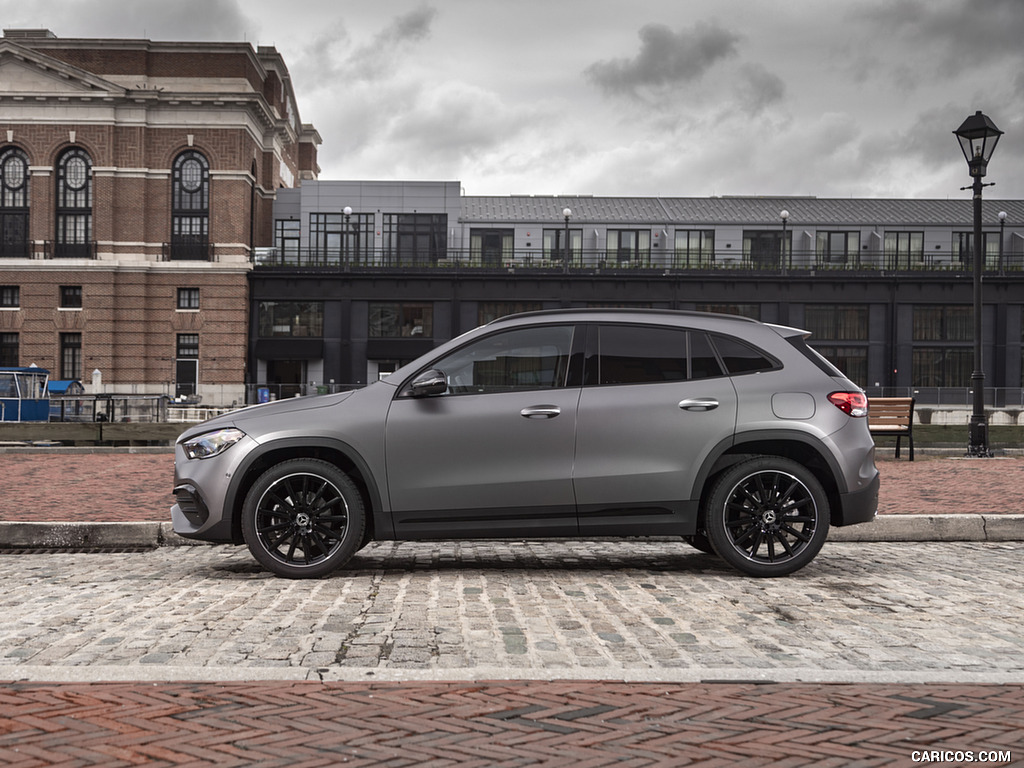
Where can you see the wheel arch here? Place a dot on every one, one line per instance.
(803, 449)
(335, 452)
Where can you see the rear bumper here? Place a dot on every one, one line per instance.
(858, 507)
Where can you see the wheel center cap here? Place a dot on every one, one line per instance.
(302, 520)
(769, 517)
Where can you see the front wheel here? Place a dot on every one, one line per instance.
(767, 516)
(303, 518)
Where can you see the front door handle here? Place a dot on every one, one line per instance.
(698, 404)
(540, 411)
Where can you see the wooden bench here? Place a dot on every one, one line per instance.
(892, 417)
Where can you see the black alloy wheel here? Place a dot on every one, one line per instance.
(303, 518)
(767, 516)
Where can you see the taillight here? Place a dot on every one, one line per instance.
(853, 403)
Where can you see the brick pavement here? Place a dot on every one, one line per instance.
(128, 487)
(506, 724)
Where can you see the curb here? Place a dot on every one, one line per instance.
(160, 673)
(15, 535)
(934, 528)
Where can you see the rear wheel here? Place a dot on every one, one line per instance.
(767, 516)
(303, 518)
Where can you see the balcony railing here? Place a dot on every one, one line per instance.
(21, 249)
(55, 250)
(187, 251)
(596, 261)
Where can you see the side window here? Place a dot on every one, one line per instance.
(520, 359)
(641, 355)
(703, 362)
(742, 358)
(647, 355)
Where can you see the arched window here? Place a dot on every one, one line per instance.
(74, 204)
(14, 203)
(190, 206)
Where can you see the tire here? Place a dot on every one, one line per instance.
(767, 516)
(303, 518)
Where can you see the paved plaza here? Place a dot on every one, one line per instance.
(583, 653)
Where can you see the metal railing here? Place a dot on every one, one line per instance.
(263, 393)
(187, 251)
(109, 407)
(595, 261)
(21, 249)
(55, 250)
(953, 397)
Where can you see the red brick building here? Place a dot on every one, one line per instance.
(136, 178)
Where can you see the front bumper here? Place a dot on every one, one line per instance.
(203, 508)
(190, 517)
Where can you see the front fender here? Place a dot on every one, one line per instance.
(327, 448)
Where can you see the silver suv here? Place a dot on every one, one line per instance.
(732, 434)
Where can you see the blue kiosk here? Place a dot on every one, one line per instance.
(24, 395)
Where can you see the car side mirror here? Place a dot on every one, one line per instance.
(432, 382)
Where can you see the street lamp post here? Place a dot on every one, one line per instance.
(978, 137)
(1002, 237)
(567, 212)
(347, 210)
(784, 215)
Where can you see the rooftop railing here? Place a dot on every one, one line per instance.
(596, 261)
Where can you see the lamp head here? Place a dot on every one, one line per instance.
(978, 137)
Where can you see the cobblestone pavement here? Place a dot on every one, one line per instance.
(596, 609)
(126, 487)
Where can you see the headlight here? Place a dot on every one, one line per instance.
(212, 443)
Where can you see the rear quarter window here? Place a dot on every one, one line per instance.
(740, 357)
(814, 356)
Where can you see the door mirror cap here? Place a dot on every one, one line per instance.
(432, 382)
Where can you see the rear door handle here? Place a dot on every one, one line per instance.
(540, 411)
(698, 404)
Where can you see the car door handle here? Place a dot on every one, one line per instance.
(698, 404)
(540, 411)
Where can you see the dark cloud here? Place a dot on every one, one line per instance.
(206, 20)
(927, 139)
(956, 33)
(382, 56)
(322, 59)
(413, 26)
(666, 58)
(329, 60)
(759, 89)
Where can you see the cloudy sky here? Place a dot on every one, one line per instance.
(608, 97)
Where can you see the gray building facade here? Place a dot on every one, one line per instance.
(364, 276)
